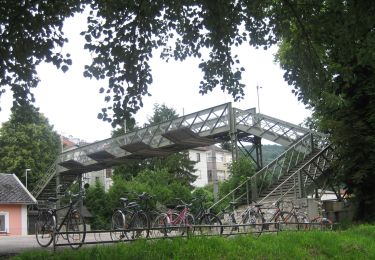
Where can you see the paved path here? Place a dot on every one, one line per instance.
(11, 245)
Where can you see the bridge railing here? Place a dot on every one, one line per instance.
(281, 165)
(305, 175)
(206, 120)
(44, 180)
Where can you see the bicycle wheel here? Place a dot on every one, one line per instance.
(213, 224)
(187, 225)
(288, 220)
(253, 223)
(118, 223)
(303, 221)
(159, 226)
(139, 226)
(76, 225)
(322, 224)
(44, 227)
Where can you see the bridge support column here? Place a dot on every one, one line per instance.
(233, 132)
(58, 196)
(301, 189)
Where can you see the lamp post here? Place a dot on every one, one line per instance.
(26, 171)
(258, 97)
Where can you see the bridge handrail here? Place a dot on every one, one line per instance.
(45, 179)
(271, 164)
(295, 173)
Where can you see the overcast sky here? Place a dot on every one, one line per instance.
(72, 102)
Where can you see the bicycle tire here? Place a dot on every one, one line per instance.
(141, 224)
(44, 227)
(253, 223)
(118, 223)
(322, 223)
(187, 225)
(159, 226)
(76, 223)
(288, 219)
(303, 221)
(210, 219)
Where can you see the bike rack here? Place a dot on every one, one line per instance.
(191, 231)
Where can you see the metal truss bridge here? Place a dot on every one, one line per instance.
(202, 128)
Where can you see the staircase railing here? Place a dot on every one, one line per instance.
(305, 175)
(46, 178)
(232, 194)
(271, 173)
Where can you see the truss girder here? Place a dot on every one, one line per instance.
(269, 128)
(212, 123)
(206, 123)
(307, 173)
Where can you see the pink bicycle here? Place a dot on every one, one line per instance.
(177, 221)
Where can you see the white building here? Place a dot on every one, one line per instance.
(103, 176)
(209, 160)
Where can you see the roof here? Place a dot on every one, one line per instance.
(12, 191)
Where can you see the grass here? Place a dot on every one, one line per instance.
(353, 243)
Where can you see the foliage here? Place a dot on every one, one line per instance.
(159, 183)
(178, 164)
(96, 201)
(122, 37)
(327, 52)
(28, 141)
(31, 32)
(240, 170)
(161, 114)
(354, 243)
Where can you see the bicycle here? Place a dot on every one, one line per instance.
(129, 222)
(47, 224)
(250, 220)
(321, 221)
(176, 221)
(299, 220)
(210, 224)
(280, 216)
(144, 201)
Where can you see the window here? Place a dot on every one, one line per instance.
(209, 175)
(108, 173)
(97, 179)
(4, 222)
(198, 157)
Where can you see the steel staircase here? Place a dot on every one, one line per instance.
(292, 175)
(202, 128)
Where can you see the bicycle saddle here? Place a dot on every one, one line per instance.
(258, 205)
(132, 204)
(145, 196)
(125, 200)
(183, 206)
(52, 199)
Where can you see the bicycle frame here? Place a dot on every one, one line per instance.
(181, 218)
(68, 213)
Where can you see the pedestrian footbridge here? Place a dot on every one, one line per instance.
(202, 128)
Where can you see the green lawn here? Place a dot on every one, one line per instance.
(355, 243)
